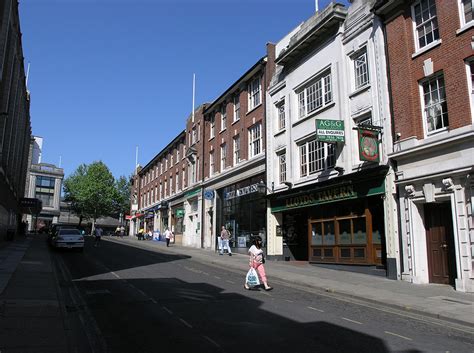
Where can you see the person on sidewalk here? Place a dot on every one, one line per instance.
(256, 260)
(98, 235)
(168, 236)
(141, 233)
(122, 231)
(225, 236)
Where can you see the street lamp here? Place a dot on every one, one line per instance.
(262, 187)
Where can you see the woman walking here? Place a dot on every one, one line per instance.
(256, 261)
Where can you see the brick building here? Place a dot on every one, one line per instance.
(234, 157)
(15, 128)
(431, 63)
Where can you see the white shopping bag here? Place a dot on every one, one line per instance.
(252, 278)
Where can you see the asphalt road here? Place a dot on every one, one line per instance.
(125, 299)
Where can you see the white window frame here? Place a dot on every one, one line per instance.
(177, 155)
(236, 145)
(166, 188)
(212, 127)
(223, 156)
(177, 180)
(462, 14)
(281, 116)
(254, 93)
(223, 117)
(316, 157)
(424, 24)
(470, 83)
(212, 163)
(161, 190)
(183, 181)
(361, 69)
(255, 140)
(436, 105)
(315, 95)
(236, 108)
(171, 160)
(282, 167)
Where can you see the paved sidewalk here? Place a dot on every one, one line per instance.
(438, 301)
(31, 313)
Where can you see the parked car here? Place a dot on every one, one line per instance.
(52, 232)
(68, 238)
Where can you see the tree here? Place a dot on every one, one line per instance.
(92, 191)
(122, 200)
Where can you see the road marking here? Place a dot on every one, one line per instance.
(289, 301)
(217, 277)
(394, 334)
(153, 301)
(310, 307)
(167, 310)
(205, 273)
(186, 323)
(230, 281)
(355, 322)
(116, 275)
(210, 340)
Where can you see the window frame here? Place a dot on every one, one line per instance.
(255, 140)
(321, 83)
(317, 157)
(223, 117)
(462, 13)
(236, 102)
(254, 93)
(282, 167)
(355, 57)
(281, 115)
(212, 163)
(223, 156)
(435, 77)
(237, 148)
(470, 83)
(212, 127)
(423, 24)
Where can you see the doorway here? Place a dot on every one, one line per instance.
(440, 243)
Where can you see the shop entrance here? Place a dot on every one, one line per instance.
(440, 242)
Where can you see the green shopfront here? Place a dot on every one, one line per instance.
(338, 223)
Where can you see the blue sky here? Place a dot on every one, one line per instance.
(108, 75)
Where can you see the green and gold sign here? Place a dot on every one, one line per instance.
(328, 130)
(368, 145)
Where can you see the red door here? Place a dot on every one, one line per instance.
(439, 242)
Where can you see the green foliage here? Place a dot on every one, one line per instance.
(94, 192)
(122, 200)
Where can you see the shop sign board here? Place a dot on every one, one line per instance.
(368, 145)
(328, 130)
(330, 194)
(241, 192)
(209, 194)
(179, 212)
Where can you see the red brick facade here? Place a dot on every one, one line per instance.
(406, 68)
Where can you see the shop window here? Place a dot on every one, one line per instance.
(345, 231)
(329, 233)
(317, 236)
(317, 252)
(360, 234)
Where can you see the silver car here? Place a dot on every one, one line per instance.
(68, 239)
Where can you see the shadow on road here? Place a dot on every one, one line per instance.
(172, 315)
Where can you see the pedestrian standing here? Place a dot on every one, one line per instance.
(168, 235)
(122, 231)
(141, 233)
(225, 236)
(98, 235)
(256, 260)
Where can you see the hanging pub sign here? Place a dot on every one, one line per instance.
(368, 145)
(328, 130)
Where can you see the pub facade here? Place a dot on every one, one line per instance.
(329, 182)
